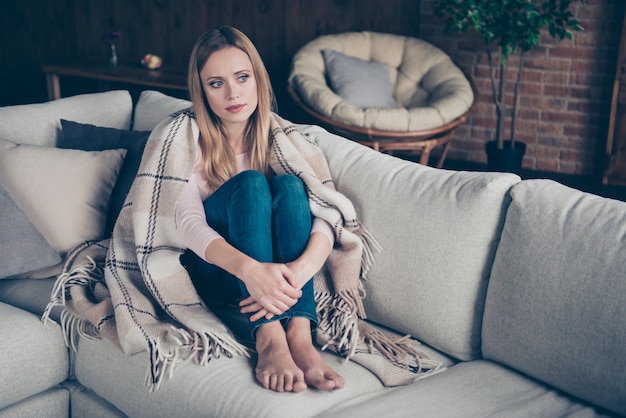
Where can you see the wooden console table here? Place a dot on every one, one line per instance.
(172, 80)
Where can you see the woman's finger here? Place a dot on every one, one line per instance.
(247, 301)
(259, 315)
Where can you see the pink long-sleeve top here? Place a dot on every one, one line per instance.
(191, 222)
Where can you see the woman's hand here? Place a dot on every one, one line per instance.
(249, 305)
(301, 271)
(271, 285)
(272, 289)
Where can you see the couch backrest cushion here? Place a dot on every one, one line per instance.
(153, 106)
(40, 123)
(556, 303)
(438, 229)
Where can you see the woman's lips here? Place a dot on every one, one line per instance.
(235, 108)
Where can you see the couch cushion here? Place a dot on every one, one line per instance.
(31, 353)
(153, 106)
(85, 403)
(88, 137)
(556, 304)
(438, 229)
(65, 193)
(477, 389)
(40, 123)
(226, 387)
(20, 237)
(52, 403)
(363, 83)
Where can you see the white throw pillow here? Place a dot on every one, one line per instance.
(65, 193)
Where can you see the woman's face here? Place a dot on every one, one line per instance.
(229, 85)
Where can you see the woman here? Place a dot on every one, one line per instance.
(251, 234)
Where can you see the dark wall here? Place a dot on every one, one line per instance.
(35, 32)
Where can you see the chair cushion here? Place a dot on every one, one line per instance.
(363, 83)
(555, 305)
(428, 87)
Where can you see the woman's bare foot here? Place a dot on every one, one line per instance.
(276, 369)
(316, 372)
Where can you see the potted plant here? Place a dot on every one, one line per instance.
(511, 27)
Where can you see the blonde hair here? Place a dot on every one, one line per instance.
(218, 158)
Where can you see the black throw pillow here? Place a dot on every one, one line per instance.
(95, 138)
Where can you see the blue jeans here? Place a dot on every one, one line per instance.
(269, 221)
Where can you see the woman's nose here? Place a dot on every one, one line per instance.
(232, 91)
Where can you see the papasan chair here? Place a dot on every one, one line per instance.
(385, 91)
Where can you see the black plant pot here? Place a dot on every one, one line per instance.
(507, 159)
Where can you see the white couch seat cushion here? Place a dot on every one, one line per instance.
(226, 387)
(476, 389)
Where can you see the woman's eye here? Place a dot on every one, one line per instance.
(243, 77)
(216, 83)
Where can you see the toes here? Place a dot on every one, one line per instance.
(288, 384)
(279, 383)
(299, 384)
(263, 378)
(339, 380)
(324, 380)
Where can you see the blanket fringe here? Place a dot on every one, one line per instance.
(370, 245)
(200, 348)
(401, 351)
(72, 325)
(393, 348)
(341, 330)
(338, 322)
(81, 276)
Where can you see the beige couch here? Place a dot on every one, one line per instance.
(518, 287)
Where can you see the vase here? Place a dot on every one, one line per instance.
(112, 55)
(508, 159)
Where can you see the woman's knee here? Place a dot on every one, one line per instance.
(252, 183)
(289, 198)
(289, 185)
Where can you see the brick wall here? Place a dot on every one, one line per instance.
(566, 91)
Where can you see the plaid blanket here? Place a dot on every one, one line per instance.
(133, 290)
